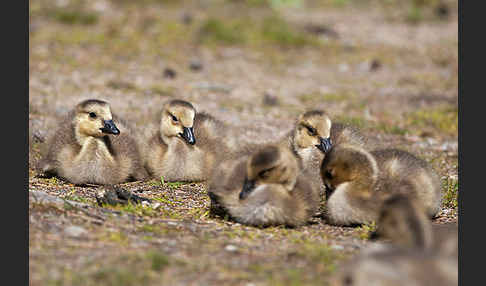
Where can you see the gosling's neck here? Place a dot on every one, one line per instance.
(168, 140)
(83, 139)
(102, 146)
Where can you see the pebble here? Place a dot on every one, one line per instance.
(337, 247)
(172, 243)
(231, 248)
(269, 99)
(343, 68)
(156, 206)
(195, 65)
(169, 73)
(74, 231)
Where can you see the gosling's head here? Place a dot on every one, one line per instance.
(313, 129)
(345, 164)
(403, 221)
(270, 165)
(93, 118)
(177, 120)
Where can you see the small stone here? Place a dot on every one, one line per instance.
(74, 231)
(337, 247)
(172, 243)
(169, 73)
(426, 134)
(187, 18)
(442, 11)
(38, 136)
(320, 29)
(343, 68)
(269, 99)
(145, 203)
(413, 138)
(156, 206)
(231, 248)
(195, 65)
(375, 65)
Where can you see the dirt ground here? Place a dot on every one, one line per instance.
(388, 67)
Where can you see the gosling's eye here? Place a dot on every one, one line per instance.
(328, 174)
(263, 174)
(173, 118)
(92, 115)
(312, 131)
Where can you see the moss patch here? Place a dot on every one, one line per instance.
(271, 30)
(442, 119)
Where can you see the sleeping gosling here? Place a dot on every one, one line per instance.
(93, 146)
(358, 182)
(264, 189)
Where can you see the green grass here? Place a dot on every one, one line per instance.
(317, 97)
(222, 32)
(274, 30)
(77, 199)
(392, 129)
(158, 260)
(118, 84)
(443, 119)
(116, 237)
(170, 185)
(162, 90)
(155, 229)
(136, 268)
(136, 209)
(271, 30)
(73, 16)
(318, 262)
(354, 121)
(450, 187)
(366, 229)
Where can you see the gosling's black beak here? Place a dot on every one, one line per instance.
(188, 135)
(329, 191)
(325, 144)
(110, 127)
(248, 187)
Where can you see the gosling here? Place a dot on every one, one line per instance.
(404, 223)
(314, 134)
(93, 146)
(185, 146)
(400, 267)
(357, 182)
(264, 189)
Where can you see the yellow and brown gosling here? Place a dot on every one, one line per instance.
(358, 182)
(185, 145)
(404, 222)
(314, 134)
(93, 146)
(264, 189)
(406, 168)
